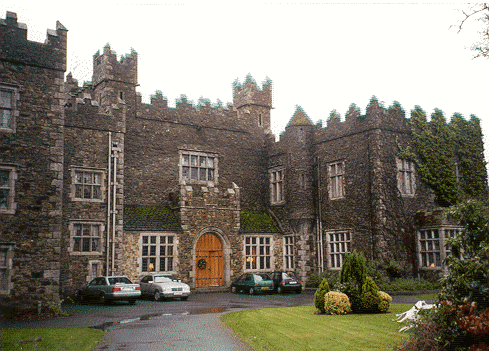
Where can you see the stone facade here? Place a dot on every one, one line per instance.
(31, 159)
(98, 182)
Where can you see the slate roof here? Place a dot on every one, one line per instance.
(299, 118)
(150, 217)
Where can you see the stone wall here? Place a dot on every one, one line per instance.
(34, 149)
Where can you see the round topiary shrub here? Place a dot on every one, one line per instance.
(336, 303)
(385, 301)
(370, 298)
(319, 295)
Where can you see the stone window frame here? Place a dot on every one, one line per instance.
(433, 249)
(336, 180)
(156, 256)
(288, 251)
(82, 222)
(14, 115)
(194, 153)
(338, 243)
(258, 253)
(6, 267)
(406, 177)
(74, 183)
(277, 185)
(10, 186)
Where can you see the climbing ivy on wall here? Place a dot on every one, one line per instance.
(439, 146)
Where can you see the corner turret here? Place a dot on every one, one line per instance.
(115, 80)
(252, 103)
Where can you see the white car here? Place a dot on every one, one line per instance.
(163, 286)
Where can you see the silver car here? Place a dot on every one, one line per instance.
(107, 289)
(163, 286)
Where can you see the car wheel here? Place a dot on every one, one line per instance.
(132, 301)
(157, 295)
(280, 290)
(185, 298)
(252, 291)
(233, 289)
(102, 299)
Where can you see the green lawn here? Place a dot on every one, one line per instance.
(426, 296)
(298, 328)
(49, 339)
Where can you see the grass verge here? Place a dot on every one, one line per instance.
(298, 328)
(50, 339)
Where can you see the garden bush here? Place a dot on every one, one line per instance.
(385, 301)
(336, 303)
(319, 295)
(370, 298)
(352, 278)
(315, 279)
(394, 269)
(409, 284)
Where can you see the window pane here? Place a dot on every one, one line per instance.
(5, 99)
(96, 192)
(4, 179)
(185, 160)
(210, 162)
(194, 171)
(185, 173)
(85, 244)
(153, 239)
(211, 174)
(193, 160)
(203, 161)
(203, 174)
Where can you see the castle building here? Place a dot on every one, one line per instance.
(95, 182)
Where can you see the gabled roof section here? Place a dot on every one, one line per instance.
(150, 217)
(299, 118)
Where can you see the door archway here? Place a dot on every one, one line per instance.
(209, 250)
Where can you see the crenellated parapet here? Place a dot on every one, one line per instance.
(249, 93)
(15, 47)
(376, 116)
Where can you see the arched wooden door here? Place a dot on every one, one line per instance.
(209, 248)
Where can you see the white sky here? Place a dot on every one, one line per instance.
(319, 55)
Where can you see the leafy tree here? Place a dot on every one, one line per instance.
(478, 12)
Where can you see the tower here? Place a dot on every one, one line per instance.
(252, 103)
(114, 81)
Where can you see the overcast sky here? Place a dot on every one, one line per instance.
(319, 55)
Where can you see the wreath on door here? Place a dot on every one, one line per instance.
(202, 263)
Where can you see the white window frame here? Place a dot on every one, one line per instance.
(277, 186)
(10, 188)
(149, 257)
(336, 180)
(211, 177)
(406, 177)
(100, 172)
(258, 253)
(6, 267)
(433, 249)
(338, 243)
(14, 113)
(288, 252)
(74, 226)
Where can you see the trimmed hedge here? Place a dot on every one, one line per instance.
(336, 303)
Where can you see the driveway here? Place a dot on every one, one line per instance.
(175, 325)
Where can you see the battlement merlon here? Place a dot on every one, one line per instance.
(106, 67)
(249, 93)
(17, 49)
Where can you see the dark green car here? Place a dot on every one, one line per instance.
(253, 283)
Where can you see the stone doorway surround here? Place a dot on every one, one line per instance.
(226, 254)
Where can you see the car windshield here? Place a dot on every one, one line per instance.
(289, 275)
(261, 276)
(162, 279)
(119, 280)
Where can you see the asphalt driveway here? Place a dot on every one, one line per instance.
(171, 325)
